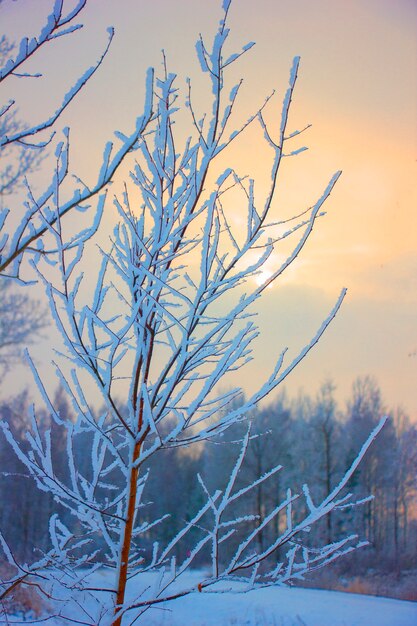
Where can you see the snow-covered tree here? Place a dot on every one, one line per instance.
(170, 322)
(15, 157)
(23, 228)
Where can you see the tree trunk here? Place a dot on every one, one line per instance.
(128, 531)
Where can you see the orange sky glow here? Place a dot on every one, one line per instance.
(357, 87)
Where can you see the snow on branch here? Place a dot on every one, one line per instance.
(171, 316)
(36, 222)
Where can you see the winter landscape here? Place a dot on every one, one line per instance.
(263, 607)
(154, 467)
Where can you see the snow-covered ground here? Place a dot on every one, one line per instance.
(261, 607)
(286, 607)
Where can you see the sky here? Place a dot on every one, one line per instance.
(357, 86)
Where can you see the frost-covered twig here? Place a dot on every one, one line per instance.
(173, 313)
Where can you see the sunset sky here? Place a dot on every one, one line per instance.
(358, 88)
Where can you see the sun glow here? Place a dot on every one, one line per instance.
(263, 277)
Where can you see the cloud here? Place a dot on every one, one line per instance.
(368, 336)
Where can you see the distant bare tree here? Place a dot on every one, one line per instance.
(326, 441)
(24, 230)
(21, 320)
(16, 159)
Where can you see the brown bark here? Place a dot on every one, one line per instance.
(127, 539)
(133, 486)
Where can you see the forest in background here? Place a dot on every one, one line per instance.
(312, 438)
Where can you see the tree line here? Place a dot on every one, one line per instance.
(312, 438)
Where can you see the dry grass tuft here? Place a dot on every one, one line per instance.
(23, 600)
(408, 591)
(358, 585)
(401, 586)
